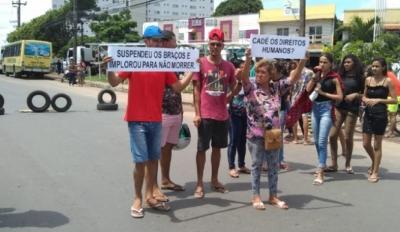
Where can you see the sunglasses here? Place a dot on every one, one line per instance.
(216, 44)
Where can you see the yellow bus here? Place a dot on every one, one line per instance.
(27, 57)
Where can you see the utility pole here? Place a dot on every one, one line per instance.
(18, 5)
(302, 26)
(75, 27)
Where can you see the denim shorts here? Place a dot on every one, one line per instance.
(145, 139)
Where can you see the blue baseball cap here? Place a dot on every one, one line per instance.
(153, 32)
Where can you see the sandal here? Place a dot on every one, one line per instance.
(199, 193)
(244, 170)
(331, 169)
(284, 166)
(137, 213)
(219, 188)
(258, 205)
(320, 178)
(161, 198)
(349, 170)
(161, 206)
(279, 204)
(173, 187)
(373, 179)
(233, 173)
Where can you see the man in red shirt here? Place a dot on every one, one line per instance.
(213, 87)
(143, 115)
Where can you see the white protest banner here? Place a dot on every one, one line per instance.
(274, 46)
(153, 59)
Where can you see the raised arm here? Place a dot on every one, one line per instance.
(296, 73)
(112, 77)
(247, 67)
(180, 85)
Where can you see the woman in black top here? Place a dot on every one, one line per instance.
(351, 72)
(377, 88)
(328, 86)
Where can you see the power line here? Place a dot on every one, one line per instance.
(18, 5)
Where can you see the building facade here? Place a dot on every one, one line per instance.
(237, 28)
(320, 24)
(148, 11)
(390, 19)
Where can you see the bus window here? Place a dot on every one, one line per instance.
(37, 49)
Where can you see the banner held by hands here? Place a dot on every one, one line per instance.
(146, 59)
(274, 46)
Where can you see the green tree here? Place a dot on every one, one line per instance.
(234, 7)
(52, 26)
(358, 29)
(387, 45)
(116, 28)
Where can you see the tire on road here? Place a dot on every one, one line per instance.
(38, 109)
(1, 111)
(100, 96)
(1, 101)
(54, 102)
(107, 106)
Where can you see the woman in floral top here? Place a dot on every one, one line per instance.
(262, 100)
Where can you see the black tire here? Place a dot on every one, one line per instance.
(104, 91)
(54, 102)
(35, 108)
(1, 101)
(107, 106)
(1, 111)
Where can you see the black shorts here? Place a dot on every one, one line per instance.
(214, 131)
(375, 124)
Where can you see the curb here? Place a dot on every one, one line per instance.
(187, 98)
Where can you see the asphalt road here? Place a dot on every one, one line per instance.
(72, 172)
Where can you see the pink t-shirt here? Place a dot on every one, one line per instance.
(216, 80)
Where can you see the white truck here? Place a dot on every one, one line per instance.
(83, 54)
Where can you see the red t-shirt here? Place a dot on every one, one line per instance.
(215, 84)
(146, 90)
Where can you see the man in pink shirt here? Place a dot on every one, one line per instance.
(211, 94)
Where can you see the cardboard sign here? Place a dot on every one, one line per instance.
(274, 46)
(153, 59)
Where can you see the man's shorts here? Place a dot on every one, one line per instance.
(171, 124)
(214, 131)
(392, 108)
(145, 139)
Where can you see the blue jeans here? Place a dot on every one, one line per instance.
(145, 139)
(237, 140)
(258, 154)
(321, 125)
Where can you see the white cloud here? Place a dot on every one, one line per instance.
(8, 14)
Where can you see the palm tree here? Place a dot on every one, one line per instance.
(359, 30)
